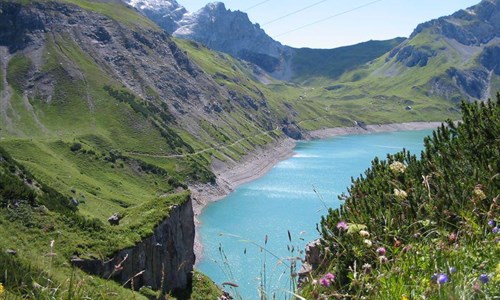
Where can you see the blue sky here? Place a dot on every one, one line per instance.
(382, 19)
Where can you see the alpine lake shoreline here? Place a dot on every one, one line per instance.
(229, 176)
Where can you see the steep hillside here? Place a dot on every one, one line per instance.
(99, 105)
(312, 65)
(447, 58)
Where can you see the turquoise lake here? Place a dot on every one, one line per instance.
(234, 228)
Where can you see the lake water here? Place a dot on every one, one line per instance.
(291, 197)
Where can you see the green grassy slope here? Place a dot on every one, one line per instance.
(311, 65)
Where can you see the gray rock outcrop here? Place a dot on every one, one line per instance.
(164, 260)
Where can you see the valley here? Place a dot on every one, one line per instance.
(104, 113)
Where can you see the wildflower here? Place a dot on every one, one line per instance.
(478, 194)
(364, 233)
(484, 278)
(492, 223)
(400, 194)
(382, 259)
(342, 225)
(368, 243)
(325, 282)
(452, 270)
(2, 289)
(330, 276)
(442, 278)
(367, 268)
(380, 251)
(434, 277)
(495, 230)
(397, 243)
(476, 287)
(497, 271)
(452, 237)
(397, 167)
(404, 297)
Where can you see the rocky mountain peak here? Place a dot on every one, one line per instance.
(232, 32)
(473, 26)
(166, 13)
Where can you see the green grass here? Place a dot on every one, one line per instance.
(331, 63)
(17, 72)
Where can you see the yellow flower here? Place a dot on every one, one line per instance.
(478, 194)
(2, 289)
(404, 297)
(496, 278)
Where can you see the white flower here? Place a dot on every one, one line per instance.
(400, 194)
(397, 167)
(364, 233)
(368, 243)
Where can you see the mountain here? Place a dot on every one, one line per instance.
(448, 57)
(106, 121)
(163, 12)
(232, 32)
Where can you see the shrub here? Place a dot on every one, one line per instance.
(443, 205)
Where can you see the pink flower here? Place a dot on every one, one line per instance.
(330, 276)
(380, 251)
(325, 282)
(342, 225)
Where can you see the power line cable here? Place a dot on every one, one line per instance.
(254, 6)
(294, 12)
(328, 18)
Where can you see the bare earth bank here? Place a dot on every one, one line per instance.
(256, 164)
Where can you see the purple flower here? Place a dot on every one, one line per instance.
(495, 230)
(452, 270)
(380, 251)
(442, 278)
(342, 225)
(484, 278)
(330, 277)
(492, 223)
(325, 282)
(434, 277)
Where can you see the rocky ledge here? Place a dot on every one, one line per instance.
(163, 261)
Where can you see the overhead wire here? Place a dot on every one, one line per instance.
(254, 6)
(294, 12)
(328, 18)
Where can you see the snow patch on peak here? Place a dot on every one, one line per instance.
(154, 4)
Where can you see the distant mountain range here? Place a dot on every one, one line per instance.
(232, 32)
(450, 57)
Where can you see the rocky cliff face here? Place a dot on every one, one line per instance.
(232, 32)
(466, 43)
(163, 261)
(477, 25)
